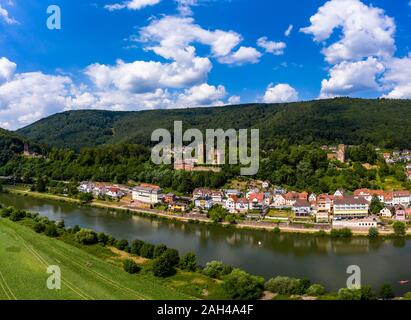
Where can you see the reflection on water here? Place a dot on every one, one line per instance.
(320, 259)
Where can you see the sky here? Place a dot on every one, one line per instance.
(159, 54)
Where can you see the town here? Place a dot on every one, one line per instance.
(354, 210)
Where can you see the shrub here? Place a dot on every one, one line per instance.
(400, 229)
(240, 285)
(321, 233)
(121, 244)
(164, 266)
(51, 230)
(386, 292)
(136, 247)
(102, 238)
(17, 215)
(277, 230)
(367, 293)
(6, 212)
(131, 267)
(349, 294)
(316, 290)
(147, 251)
(373, 233)
(341, 233)
(39, 227)
(188, 262)
(86, 237)
(217, 269)
(159, 250)
(85, 197)
(61, 224)
(283, 285)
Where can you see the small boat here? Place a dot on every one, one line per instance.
(404, 282)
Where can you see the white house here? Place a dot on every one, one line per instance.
(302, 208)
(365, 223)
(386, 213)
(279, 201)
(205, 203)
(350, 207)
(114, 192)
(147, 194)
(217, 197)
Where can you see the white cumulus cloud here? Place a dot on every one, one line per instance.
(351, 77)
(4, 15)
(280, 93)
(276, 48)
(132, 5)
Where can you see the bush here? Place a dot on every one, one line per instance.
(287, 286)
(373, 233)
(6, 212)
(386, 292)
(17, 215)
(159, 250)
(321, 233)
(400, 229)
(147, 251)
(39, 227)
(277, 230)
(121, 244)
(136, 247)
(217, 269)
(341, 233)
(188, 262)
(61, 224)
(85, 197)
(51, 230)
(131, 267)
(367, 293)
(240, 285)
(316, 290)
(102, 238)
(86, 237)
(349, 294)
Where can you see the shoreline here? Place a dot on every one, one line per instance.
(189, 218)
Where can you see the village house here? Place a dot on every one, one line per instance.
(86, 187)
(242, 205)
(368, 194)
(339, 193)
(147, 194)
(201, 193)
(400, 214)
(312, 198)
(386, 213)
(178, 207)
(279, 201)
(302, 208)
(232, 192)
(350, 207)
(99, 190)
(217, 197)
(169, 198)
(256, 200)
(325, 203)
(401, 197)
(265, 184)
(205, 203)
(114, 192)
(365, 223)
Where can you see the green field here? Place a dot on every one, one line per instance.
(25, 256)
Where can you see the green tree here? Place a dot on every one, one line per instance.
(316, 290)
(400, 228)
(121, 244)
(39, 227)
(367, 293)
(85, 197)
(188, 262)
(373, 232)
(386, 292)
(239, 285)
(51, 230)
(159, 250)
(136, 247)
(218, 214)
(376, 205)
(147, 251)
(130, 266)
(217, 269)
(349, 294)
(86, 237)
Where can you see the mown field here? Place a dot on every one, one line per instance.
(25, 256)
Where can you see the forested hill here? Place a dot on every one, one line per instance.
(386, 123)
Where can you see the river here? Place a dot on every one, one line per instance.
(322, 260)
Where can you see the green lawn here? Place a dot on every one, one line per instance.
(25, 256)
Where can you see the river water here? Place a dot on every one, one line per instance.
(322, 260)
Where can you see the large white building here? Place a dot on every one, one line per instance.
(356, 223)
(350, 207)
(147, 194)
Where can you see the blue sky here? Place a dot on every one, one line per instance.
(150, 54)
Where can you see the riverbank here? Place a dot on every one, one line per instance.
(194, 218)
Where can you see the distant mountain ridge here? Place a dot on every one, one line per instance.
(386, 123)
